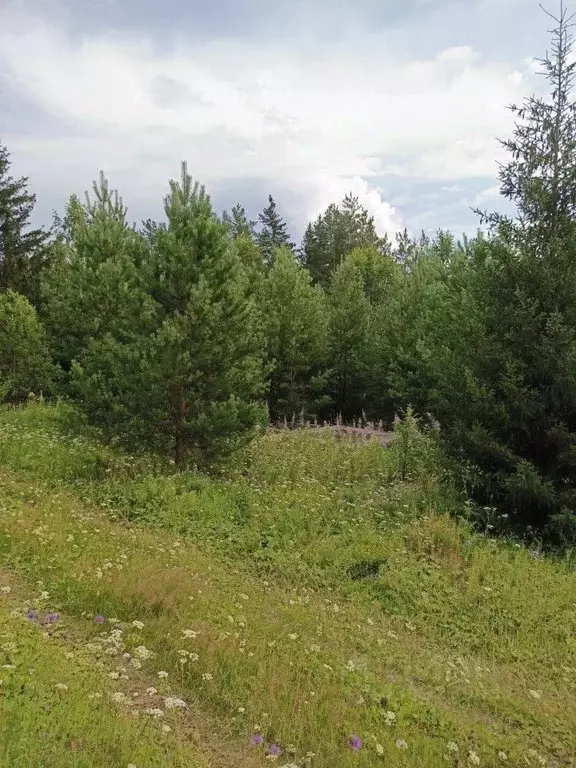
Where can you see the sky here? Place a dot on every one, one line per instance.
(400, 103)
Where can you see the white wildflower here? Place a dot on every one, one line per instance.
(151, 691)
(6, 590)
(171, 702)
(390, 718)
(61, 686)
(401, 744)
(142, 652)
(502, 755)
(190, 633)
(473, 758)
(452, 746)
(119, 698)
(114, 675)
(166, 728)
(162, 674)
(138, 624)
(155, 713)
(379, 749)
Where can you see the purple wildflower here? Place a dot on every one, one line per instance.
(256, 740)
(32, 614)
(99, 619)
(52, 618)
(355, 743)
(274, 749)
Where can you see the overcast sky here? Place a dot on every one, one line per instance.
(399, 102)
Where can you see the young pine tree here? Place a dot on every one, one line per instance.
(25, 364)
(348, 333)
(204, 370)
(297, 332)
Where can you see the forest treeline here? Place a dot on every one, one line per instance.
(185, 335)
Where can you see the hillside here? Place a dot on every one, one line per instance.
(319, 603)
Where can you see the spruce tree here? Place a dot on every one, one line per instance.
(23, 251)
(273, 231)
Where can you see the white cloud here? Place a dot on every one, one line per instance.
(317, 121)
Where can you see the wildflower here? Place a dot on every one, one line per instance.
(52, 618)
(379, 749)
(502, 755)
(99, 619)
(130, 765)
(241, 710)
(401, 744)
(142, 652)
(207, 676)
(44, 596)
(273, 751)
(138, 624)
(162, 674)
(32, 614)
(256, 740)
(171, 702)
(355, 743)
(113, 675)
(293, 636)
(136, 663)
(61, 686)
(536, 694)
(452, 746)
(155, 713)
(390, 718)
(350, 666)
(190, 633)
(6, 590)
(118, 697)
(151, 691)
(473, 758)
(166, 728)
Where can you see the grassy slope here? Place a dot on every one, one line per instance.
(456, 638)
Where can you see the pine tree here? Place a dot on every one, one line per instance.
(297, 330)
(95, 286)
(334, 234)
(24, 360)
(273, 231)
(23, 252)
(349, 321)
(238, 222)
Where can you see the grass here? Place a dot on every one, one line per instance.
(312, 592)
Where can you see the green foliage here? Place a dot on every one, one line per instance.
(273, 231)
(25, 365)
(334, 234)
(188, 380)
(348, 334)
(23, 252)
(297, 332)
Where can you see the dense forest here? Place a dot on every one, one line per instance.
(187, 335)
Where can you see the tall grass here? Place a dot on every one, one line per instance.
(312, 592)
